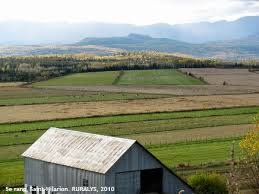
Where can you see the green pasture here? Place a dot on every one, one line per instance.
(247, 113)
(15, 138)
(191, 153)
(132, 77)
(157, 77)
(82, 79)
(98, 96)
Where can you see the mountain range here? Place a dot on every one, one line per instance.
(247, 47)
(31, 33)
(237, 49)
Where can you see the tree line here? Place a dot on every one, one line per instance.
(37, 68)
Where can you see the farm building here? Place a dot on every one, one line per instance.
(76, 161)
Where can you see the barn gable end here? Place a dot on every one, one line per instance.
(138, 159)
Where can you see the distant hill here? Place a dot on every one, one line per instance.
(137, 42)
(237, 49)
(28, 33)
(232, 49)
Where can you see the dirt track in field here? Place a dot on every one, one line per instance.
(237, 77)
(192, 134)
(171, 90)
(86, 109)
(11, 84)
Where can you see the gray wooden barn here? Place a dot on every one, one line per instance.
(77, 161)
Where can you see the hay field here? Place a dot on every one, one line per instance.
(204, 133)
(86, 109)
(28, 95)
(180, 124)
(79, 79)
(237, 77)
(157, 77)
(165, 134)
(180, 90)
(131, 77)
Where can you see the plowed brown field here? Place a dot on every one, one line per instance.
(238, 77)
(86, 109)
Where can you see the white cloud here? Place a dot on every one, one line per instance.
(127, 11)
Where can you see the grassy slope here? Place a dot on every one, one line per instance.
(119, 129)
(142, 127)
(134, 77)
(11, 173)
(82, 79)
(246, 112)
(98, 96)
(195, 153)
(11, 165)
(157, 77)
(178, 135)
(29, 95)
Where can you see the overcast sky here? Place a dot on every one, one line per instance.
(127, 11)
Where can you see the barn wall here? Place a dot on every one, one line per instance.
(44, 174)
(136, 159)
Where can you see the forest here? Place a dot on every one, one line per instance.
(38, 68)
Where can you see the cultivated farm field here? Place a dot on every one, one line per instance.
(132, 77)
(237, 77)
(168, 81)
(156, 77)
(29, 95)
(179, 90)
(147, 128)
(102, 108)
(179, 118)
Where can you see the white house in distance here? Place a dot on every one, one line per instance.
(80, 162)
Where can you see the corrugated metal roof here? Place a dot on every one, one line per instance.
(76, 149)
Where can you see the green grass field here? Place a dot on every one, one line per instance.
(133, 77)
(140, 128)
(82, 79)
(143, 127)
(11, 164)
(195, 153)
(157, 77)
(247, 113)
(11, 173)
(195, 138)
(15, 138)
(91, 96)
(120, 129)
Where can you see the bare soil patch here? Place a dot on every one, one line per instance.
(237, 77)
(87, 109)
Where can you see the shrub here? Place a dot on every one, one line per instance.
(249, 166)
(208, 183)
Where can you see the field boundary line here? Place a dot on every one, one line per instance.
(118, 78)
(201, 79)
(136, 121)
(214, 140)
(151, 146)
(103, 100)
(129, 114)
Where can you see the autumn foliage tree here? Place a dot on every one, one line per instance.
(250, 164)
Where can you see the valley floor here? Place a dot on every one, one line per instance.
(189, 128)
